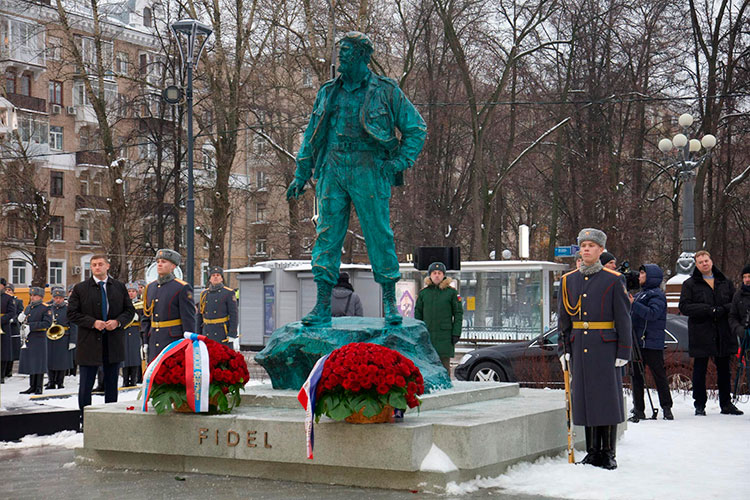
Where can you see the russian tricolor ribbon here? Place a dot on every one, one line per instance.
(307, 398)
(197, 370)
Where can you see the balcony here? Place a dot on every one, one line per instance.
(22, 46)
(85, 117)
(28, 103)
(90, 158)
(91, 203)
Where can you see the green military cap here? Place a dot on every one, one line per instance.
(436, 266)
(592, 234)
(170, 255)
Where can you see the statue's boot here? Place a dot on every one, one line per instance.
(321, 313)
(392, 316)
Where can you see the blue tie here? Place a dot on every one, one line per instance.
(103, 288)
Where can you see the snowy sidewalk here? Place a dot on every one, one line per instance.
(689, 458)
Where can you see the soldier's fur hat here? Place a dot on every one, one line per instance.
(215, 270)
(36, 290)
(131, 286)
(592, 234)
(170, 255)
(58, 292)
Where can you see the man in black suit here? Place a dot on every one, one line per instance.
(101, 307)
(7, 312)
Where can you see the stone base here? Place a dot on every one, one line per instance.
(472, 429)
(294, 348)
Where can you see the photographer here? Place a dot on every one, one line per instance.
(649, 316)
(608, 260)
(740, 308)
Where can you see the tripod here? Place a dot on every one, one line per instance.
(638, 364)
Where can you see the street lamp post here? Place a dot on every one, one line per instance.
(191, 29)
(686, 161)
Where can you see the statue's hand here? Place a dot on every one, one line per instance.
(296, 188)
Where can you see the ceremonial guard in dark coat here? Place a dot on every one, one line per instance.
(7, 313)
(73, 341)
(168, 307)
(596, 336)
(35, 321)
(217, 309)
(132, 364)
(59, 343)
(15, 329)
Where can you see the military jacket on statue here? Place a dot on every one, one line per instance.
(168, 312)
(595, 328)
(7, 313)
(34, 355)
(217, 313)
(58, 357)
(133, 337)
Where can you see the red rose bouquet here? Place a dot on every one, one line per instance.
(228, 375)
(364, 377)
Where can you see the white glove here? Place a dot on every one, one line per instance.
(620, 362)
(565, 360)
(71, 347)
(144, 352)
(21, 317)
(135, 317)
(235, 343)
(25, 330)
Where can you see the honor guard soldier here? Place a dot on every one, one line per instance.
(7, 313)
(596, 338)
(132, 364)
(59, 342)
(35, 320)
(168, 307)
(217, 310)
(15, 330)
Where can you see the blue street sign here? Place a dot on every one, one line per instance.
(568, 251)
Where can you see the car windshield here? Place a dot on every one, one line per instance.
(550, 337)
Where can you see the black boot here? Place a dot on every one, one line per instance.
(38, 381)
(592, 450)
(31, 388)
(50, 380)
(609, 443)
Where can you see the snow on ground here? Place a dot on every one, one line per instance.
(65, 439)
(10, 399)
(689, 458)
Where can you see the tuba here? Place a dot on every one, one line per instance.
(55, 332)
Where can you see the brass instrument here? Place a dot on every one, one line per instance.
(55, 331)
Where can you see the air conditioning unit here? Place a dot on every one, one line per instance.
(71, 110)
(56, 109)
(76, 270)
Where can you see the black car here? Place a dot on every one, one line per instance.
(536, 363)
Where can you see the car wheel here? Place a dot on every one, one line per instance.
(488, 371)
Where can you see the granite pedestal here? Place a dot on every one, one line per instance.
(469, 430)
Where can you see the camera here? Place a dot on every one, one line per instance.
(631, 277)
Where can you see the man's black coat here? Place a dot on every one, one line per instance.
(707, 310)
(85, 307)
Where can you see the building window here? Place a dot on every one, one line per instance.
(259, 146)
(260, 212)
(16, 229)
(81, 98)
(56, 273)
(56, 142)
(96, 186)
(54, 51)
(10, 81)
(147, 17)
(204, 274)
(57, 228)
(83, 184)
(25, 84)
(56, 92)
(307, 78)
(86, 270)
(84, 231)
(121, 63)
(18, 272)
(260, 247)
(56, 183)
(260, 178)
